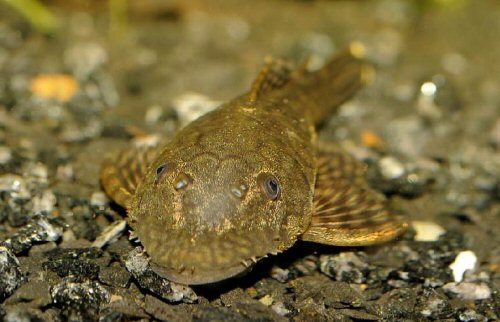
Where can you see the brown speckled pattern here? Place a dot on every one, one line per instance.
(193, 226)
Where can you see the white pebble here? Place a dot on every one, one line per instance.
(38, 172)
(15, 185)
(190, 106)
(44, 202)
(109, 233)
(469, 291)
(465, 260)
(99, 199)
(280, 309)
(427, 230)
(391, 168)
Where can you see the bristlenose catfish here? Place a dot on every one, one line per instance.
(250, 179)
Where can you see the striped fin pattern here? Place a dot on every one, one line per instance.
(347, 211)
(275, 74)
(121, 173)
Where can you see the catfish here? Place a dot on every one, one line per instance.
(250, 179)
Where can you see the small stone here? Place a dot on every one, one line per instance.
(14, 185)
(45, 202)
(391, 168)
(20, 314)
(469, 291)
(280, 309)
(38, 229)
(60, 87)
(10, 273)
(190, 106)
(465, 260)
(385, 47)
(79, 299)
(304, 266)
(399, 305)
(38, 172)
(427, 231)
(109, 233)
(397, 283)
(99, 200)
(79, 263)
(79, 269)
(434, 305)
(428, 261)
(345, 267)
(408, 135)
(138, 265)
(472, 276)
(280, 274)
(162, 118)
(470, 315)
(328, 293)
(267, 300)
(425, 104)
(17, 212)
(154, 114)
(85, 58)
(65, 172)
(437, 98)
(318, 46)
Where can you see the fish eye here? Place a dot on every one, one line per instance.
(161, 171)
(182, 181)
(269, 185)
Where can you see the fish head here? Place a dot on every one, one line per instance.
(203, 217)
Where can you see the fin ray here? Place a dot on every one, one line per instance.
(122, 172)
(347, 211)
(275, 74)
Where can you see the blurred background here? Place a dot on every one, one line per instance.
(145, 53)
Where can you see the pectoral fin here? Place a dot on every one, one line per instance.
(122, 172)
(347, 211)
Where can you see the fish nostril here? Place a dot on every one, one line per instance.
(239, 191)
(162, 170)
(182, 181)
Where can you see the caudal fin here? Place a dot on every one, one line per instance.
(337, 81)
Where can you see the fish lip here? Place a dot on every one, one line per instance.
(206, 277)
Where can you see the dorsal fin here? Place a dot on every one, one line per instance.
(274, 74)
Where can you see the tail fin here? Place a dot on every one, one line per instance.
(336, 82)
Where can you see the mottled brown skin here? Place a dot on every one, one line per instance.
(199, 204)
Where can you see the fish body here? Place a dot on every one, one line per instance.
(249, 179)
